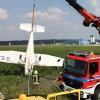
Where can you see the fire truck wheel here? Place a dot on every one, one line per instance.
(96, 95)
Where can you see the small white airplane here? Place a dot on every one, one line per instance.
(18, 57)
(29, 58)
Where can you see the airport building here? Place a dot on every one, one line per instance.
(83, 42)
(92, 39)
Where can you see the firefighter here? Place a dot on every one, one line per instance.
(62, 85)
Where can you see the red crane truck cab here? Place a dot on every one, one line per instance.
(82, 71)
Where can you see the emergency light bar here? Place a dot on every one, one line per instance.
(84, 54)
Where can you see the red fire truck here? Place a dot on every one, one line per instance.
(82, 71)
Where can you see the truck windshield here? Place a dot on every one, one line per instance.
(75, 66)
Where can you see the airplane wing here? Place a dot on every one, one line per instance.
(48, 60)
(18, 57)
(12, 57)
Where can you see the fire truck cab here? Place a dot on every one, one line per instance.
(82, 71)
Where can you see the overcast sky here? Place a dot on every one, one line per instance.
(60, 20)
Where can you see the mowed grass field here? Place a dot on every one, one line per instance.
(13, 85)
(56, 50)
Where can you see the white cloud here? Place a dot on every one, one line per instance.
(3, 14)
(57, 24)
(51, 14)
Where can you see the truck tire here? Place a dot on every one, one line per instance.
(96, 95)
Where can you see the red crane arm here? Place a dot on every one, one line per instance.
(88, 17)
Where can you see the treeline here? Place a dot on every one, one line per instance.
(49, 41)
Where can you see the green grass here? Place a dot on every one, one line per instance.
(13, 47)
(56, 50)
(15, 84)
(63, 50)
